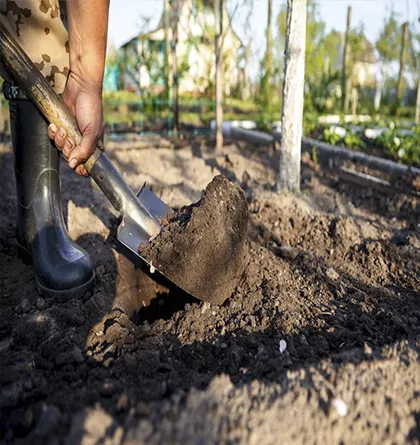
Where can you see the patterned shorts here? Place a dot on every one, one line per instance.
(40, 27)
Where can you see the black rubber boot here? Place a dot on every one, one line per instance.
(63, 269)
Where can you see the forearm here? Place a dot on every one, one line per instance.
(88, 26)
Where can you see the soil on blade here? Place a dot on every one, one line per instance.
(201, 247)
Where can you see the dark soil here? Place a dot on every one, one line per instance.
(201, 247)
(318, 343)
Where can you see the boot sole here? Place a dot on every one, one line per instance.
(59, 295)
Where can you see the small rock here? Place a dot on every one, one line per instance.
(25, 305)
(287, 252)
(91, 425)
(332, 274)
(340, 406)
(205, 307)
(282, 346)
(41, 304)
(367, 349)
(252, 321)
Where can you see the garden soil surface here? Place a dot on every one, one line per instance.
(318, 343)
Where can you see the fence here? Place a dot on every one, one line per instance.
(156, 116)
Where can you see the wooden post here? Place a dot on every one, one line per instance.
(354, 100)
(167, 49)
(218, 15)
(269, 51)
(403, 58)
(380, 86)
(174, 43)
(292, 108)
(346, 53)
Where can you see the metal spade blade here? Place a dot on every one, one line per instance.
(130, 233)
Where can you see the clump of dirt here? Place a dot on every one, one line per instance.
(201, 247)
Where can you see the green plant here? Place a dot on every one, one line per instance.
(315, 155)
(331, 137)
(352, 140)
(310, 122)
(389, 140)
(409, 153)
(405, 149)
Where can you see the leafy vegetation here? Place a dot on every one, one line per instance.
(331, 137)
(352, 140)
(401, 142)
(405, 149)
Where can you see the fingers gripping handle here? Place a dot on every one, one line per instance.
(20, 66)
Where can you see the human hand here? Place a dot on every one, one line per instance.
(85, 102)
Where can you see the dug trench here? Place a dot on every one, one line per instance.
(332, 272)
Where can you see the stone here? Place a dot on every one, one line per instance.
(332, 274)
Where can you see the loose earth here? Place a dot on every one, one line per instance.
(319, 341)
(201, 247)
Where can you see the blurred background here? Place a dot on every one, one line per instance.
(141, 41)
(362, 59)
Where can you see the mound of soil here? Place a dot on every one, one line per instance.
(201, 247)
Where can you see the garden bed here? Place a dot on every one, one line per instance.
(319, 343)
(393, 142)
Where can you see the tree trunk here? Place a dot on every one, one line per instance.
(326, 65)
(417, 115)
(346, 53)
(167, 48)
(354, 100)
(380, 87)
(218, 14)
(246, 94)
(347, 93)
(293, 85)
(174, 44)
(403, 58)
(269, 50)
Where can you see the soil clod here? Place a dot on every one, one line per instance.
(201, 247)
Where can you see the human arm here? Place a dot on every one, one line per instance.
(88, 26)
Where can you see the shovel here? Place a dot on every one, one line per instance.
(140, 212)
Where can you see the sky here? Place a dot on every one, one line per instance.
(125, 17)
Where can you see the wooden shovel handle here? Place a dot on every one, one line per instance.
(22, 69)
